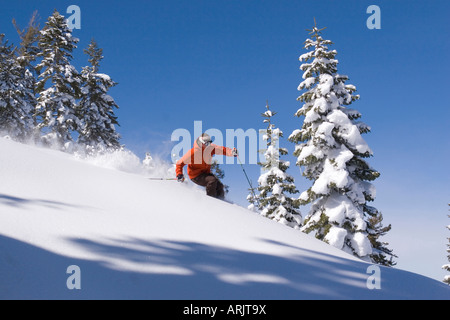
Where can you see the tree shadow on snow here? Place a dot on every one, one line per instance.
(142, 269)
(17, 202)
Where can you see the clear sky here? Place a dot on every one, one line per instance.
(218, 61)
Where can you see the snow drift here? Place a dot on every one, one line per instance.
(133, 238)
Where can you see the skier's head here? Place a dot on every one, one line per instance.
(204, 140)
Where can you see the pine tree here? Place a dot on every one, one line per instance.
(274, 183)
(26, 56)
(332, 150)
(219, 173)
(29, 37)
(380, 251)
(148, 162)
(252, 198)
(447, 266)
(15, 94)
(56, 107)
(96, 107)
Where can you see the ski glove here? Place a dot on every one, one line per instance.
(235, 153)
(180, 178)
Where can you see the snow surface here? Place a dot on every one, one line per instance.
(134, 238)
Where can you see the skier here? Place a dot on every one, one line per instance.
(198, 161)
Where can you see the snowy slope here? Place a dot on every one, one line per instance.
(133, 238)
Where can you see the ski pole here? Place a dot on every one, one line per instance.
(160, 179)
(248, 180)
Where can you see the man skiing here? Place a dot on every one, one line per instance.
(198, 161)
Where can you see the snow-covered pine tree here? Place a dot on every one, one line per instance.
(96, 108)
(330, 148)
(26, 56)
(274, 183)
(56, 107)
(15, 94)
(252, 198)
(148, 162)
(381, 254)
(447, 266)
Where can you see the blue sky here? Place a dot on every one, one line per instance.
(218, 62)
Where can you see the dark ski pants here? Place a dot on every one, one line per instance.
(214, 187)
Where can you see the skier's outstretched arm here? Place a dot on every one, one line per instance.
(218, 150)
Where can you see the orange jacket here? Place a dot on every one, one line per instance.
(199, 159)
